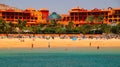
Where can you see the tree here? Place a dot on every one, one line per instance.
(33, 29)
(11, 27)
(70, 25)
(90, 19)
(106, 28)
(24, 23)
(118, 26)
(116, 29)
(97, 28)
(53, 22)
(76, 30)
(100, 18)
(21, 25)
(85, 29)
(60, 30)
(4, 27)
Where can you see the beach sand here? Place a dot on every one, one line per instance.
(57, 43)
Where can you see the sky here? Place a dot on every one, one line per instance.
(61, 6)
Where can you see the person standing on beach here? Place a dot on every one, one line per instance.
(48, 44)
(98, 47)
(32, 46)
(90, 43)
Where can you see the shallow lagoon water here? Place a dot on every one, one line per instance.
(60, 57)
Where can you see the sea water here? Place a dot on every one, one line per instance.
(60, 57)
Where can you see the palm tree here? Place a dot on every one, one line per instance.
(21, 25)
(53, 22)
(116, 29)
(100, 18)
(24, 24)
(106, 28)
(70, 25)
(118, 26)
(90, 19)
(60, 28)
(85, 29)
(3, 26)
(11, 27)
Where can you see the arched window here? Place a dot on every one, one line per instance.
(110, 20)
(109, 8)
(115, 20)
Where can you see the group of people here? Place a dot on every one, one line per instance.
(64, 36)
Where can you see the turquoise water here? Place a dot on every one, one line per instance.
(60, 57)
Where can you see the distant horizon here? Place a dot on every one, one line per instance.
(62, 6)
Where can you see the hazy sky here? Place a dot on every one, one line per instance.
(61, 6)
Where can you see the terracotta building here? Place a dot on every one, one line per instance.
(79, 15)
(76, 15)
(30, 15)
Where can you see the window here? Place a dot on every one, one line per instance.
(110, 20)
(3, 17)
(20, 17)
(115, 16)
(110, 16)
(28, 17)
(115, 20)
(71, 13)
(31, 17)
(35, 18)
(11, 13)
(3, 13)
(20, 14)
(12, 17)
(24, 17)
(106, 17)
(117, 12)
(8, 17)
(16, 17)
(16, 14)
(106, 13)
(72, 18)
(109, 8)
(102, 13)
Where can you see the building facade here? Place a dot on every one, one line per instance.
(30, 15)
(79, 15)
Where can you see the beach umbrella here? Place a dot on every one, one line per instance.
(74, 38)
(48, 37)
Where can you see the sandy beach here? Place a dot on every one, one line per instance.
(56, 43)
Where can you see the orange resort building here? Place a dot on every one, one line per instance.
(78, 15)
(30, 15)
